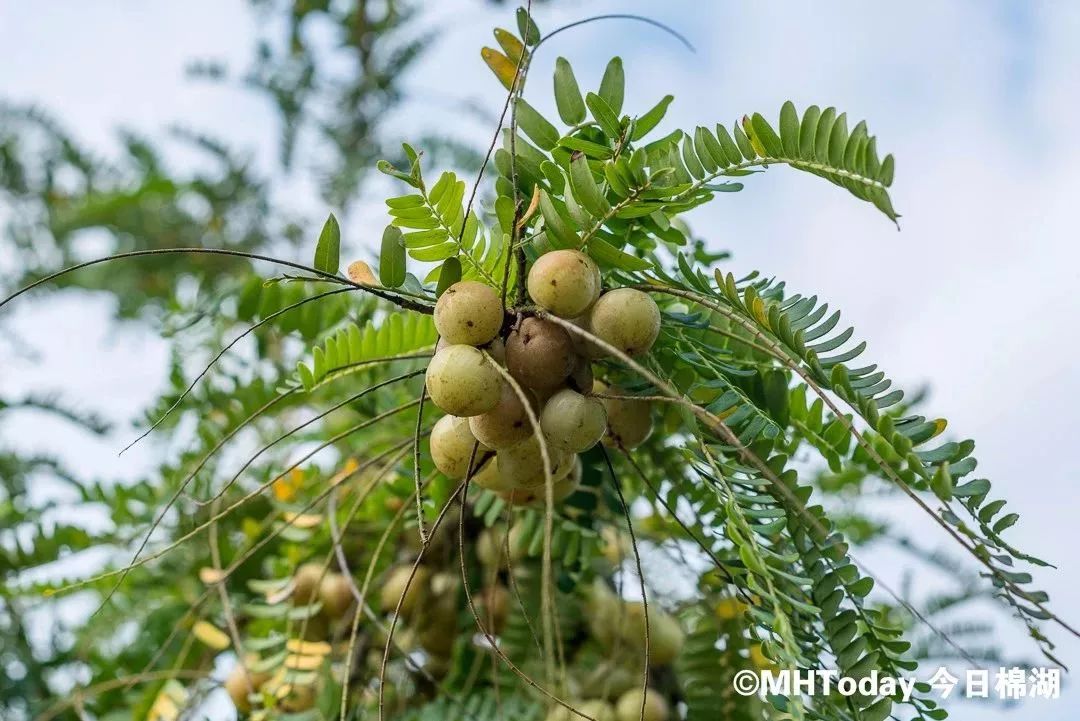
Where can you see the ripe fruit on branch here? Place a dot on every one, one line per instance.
(628, 707)
(629, 423)
(335, 594)
(462, 382)
(522, 465)
(394, 588)
(572, 421)
(496, 348)
(306, 584)
(561, 489)
(505, 424)
(665, 634)
(565, 282)
(241, 683)
(451, 445)
(469, 312)
(539, 354)
(627, 319)
(492, 546)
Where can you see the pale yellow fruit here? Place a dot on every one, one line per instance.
(335, 594)
(492, 546)
(629, 423)
(451, 445)
(240, 683)
(603, 610)
(535, 496)
(306, 584)
(489, 477)
(394, 589)
(469, 312)
(598, 709)
(505, 424)
(611, 678)
(496, 348)
(627, 319)
(290, 696)
(462, 382)
(522, 465)
(628, 707)
(565, 282)
(665, 634)
(539, 354)
(573, 422)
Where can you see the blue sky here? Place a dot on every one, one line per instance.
(975, 296)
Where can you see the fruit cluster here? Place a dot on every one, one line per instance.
(543, 376)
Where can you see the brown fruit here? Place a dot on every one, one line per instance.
(469, 312)
(493, 607)
(335, 594)
(539, 354)
(565, 282)
(306, 583)
(627, 319)
(241, 683)
(462, 382)
(505, 424)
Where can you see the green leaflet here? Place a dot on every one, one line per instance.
(328, 249)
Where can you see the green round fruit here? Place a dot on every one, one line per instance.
(565, 282)
(469, 312)
(539, 354)
(462, 382)
(573, 422)
(451, 445)
(627, 319)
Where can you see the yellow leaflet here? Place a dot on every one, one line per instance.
(510, 44)
(500, 65)
(758, 147)
(295, 645)
(285, 489)
(210, 576)
(730, 609)
(303, 663)
(211, 635)
(758, 309)
(351, 466)
(302, 520)
(360, 272)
